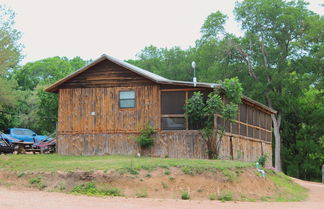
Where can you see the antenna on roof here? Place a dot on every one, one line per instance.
(193, 64)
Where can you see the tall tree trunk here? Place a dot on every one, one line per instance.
(276, 129)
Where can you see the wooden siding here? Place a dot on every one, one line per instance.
(106, 74)
(77, 104)
(173, 144)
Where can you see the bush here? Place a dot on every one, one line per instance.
(145, 139)
(225, 196)
(263, 159)
(212, 196)
(185, 196)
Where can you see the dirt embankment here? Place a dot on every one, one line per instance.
(170, 183)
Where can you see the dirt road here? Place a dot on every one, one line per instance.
(13, 199)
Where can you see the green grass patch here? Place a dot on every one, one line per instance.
(231, 176)
(225, 196)
(288, 190)
(37, 182)
(91, 190)
(185, 196)
(212, 197)
(129, 164)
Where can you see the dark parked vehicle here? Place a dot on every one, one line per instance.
(5, 147)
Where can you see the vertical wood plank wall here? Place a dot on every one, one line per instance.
(112, 130)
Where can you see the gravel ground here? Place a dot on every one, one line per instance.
(24, 199)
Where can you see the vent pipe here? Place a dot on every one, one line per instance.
(194, 80)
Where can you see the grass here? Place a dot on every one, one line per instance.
(91, 190)
(131, 164)
(231, 176)
(225, 196)
(141, 194)
(289, 190)
(37, 182)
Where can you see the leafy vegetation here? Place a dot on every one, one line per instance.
(225, 196)
(263, 159)
(212, 197)
(91, 189)
(185, 196)
(145, 139)
(281, 67)
(201, 112)
(278, 60)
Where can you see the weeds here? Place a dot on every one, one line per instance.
(141, 194)
(167, 172)
(91, 189)
(231, 176)
(37, 182)
(212, 197)
(185, 196)
(225, 196)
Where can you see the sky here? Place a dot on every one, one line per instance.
(119, 28)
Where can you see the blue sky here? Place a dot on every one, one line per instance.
(89, 28)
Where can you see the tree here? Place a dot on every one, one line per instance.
(36, 108)
(273, 33)
(213, 26)
(199, 111)
(10, 55)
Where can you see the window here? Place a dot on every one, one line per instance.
(173, 123)
(127, 99)
(172, 103)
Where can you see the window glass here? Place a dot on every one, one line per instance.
(242, 130)
(227, 126)
(172, 102)
(256, 133)
(269, 136)
(269, 122)
(243, 113)
(126, 99)
(250, 115)
(173, 124)
(235, 128)
(127, 95)
(250, 132)
(23, 132)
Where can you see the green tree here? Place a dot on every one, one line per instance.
(199, 111)
(36, 108)
(273, 33)
(10, 55)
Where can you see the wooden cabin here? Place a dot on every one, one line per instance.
(104, 105)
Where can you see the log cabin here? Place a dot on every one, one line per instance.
(104, 106)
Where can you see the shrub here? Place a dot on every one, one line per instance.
(34, 180)
(167, 172)
(91, 189)
(225, 196)
(145, 139)
(263, 159)
(212, 197)
(185, 196)
(171, 178)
